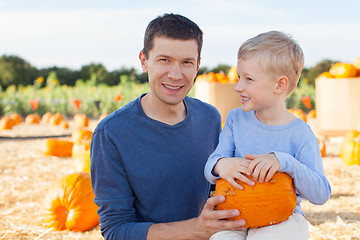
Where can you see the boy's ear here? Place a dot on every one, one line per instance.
(143, 61)
(282, 84)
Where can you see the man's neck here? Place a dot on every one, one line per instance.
(160, 111)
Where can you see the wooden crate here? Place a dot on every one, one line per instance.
(337, 105)
(220, 95)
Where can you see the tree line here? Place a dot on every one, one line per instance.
(15, 70)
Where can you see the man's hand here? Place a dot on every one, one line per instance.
(211, 221)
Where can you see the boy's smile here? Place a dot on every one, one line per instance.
(255, 87)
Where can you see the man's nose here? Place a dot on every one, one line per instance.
(175, 72)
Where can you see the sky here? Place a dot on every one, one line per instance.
(74, 33)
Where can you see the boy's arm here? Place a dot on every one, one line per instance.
(307, 172)
(224, 149)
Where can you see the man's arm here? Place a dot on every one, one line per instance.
(202, 227)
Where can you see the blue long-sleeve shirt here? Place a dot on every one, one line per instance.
(144, 171)
(294, 144)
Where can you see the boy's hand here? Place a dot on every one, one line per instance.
(263, 166)
(231, 169)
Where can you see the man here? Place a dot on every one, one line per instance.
(147, 158)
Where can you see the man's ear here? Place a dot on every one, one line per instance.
(143, 61)
(198, 64)
(282, 84)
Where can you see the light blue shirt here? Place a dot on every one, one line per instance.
(294, 144)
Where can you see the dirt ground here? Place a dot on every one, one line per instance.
(25, 174)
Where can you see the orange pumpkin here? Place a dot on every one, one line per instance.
(80, 146)
(81, 120)
(81, 134)
(201, 78)
(56, 119)
(325, 75)
(311, 114)
(350, 148)
(6, 123)
(322, 147)
(211, 77)
(33, 118)
(356, 64)
(58, 147)
(232, 75)
(81, 162)
(46, 117)
(17, 118)
(221, 78)
(298, 113)
(64, 124)
(260, 205)
(69, 204)
(343, 70)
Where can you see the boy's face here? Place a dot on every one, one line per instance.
(255, 86)
(172, 65)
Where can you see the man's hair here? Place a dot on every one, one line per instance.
(172, 26)
(278, 54)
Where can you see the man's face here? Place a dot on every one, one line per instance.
(172, 65)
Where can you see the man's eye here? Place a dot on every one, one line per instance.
(188, 62)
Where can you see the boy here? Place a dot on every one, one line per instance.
(263, 137)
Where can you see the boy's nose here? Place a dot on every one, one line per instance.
(239, 87)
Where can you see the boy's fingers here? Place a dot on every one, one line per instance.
(249, 156)
(234, 183)
(246, 180)
(270, 174)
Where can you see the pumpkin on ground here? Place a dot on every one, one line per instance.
(58, 147)
(81, 120)
(350, 148)
(69, 204)
(64, 124)
(322, 147)
(81, 134)
(32, 118)
(260, 205)
(17, 118)
(6, 123)
(80, 146)
(56, 119)
(46, 117)
(81, 161)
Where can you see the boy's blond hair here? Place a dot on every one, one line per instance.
(278, 54)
